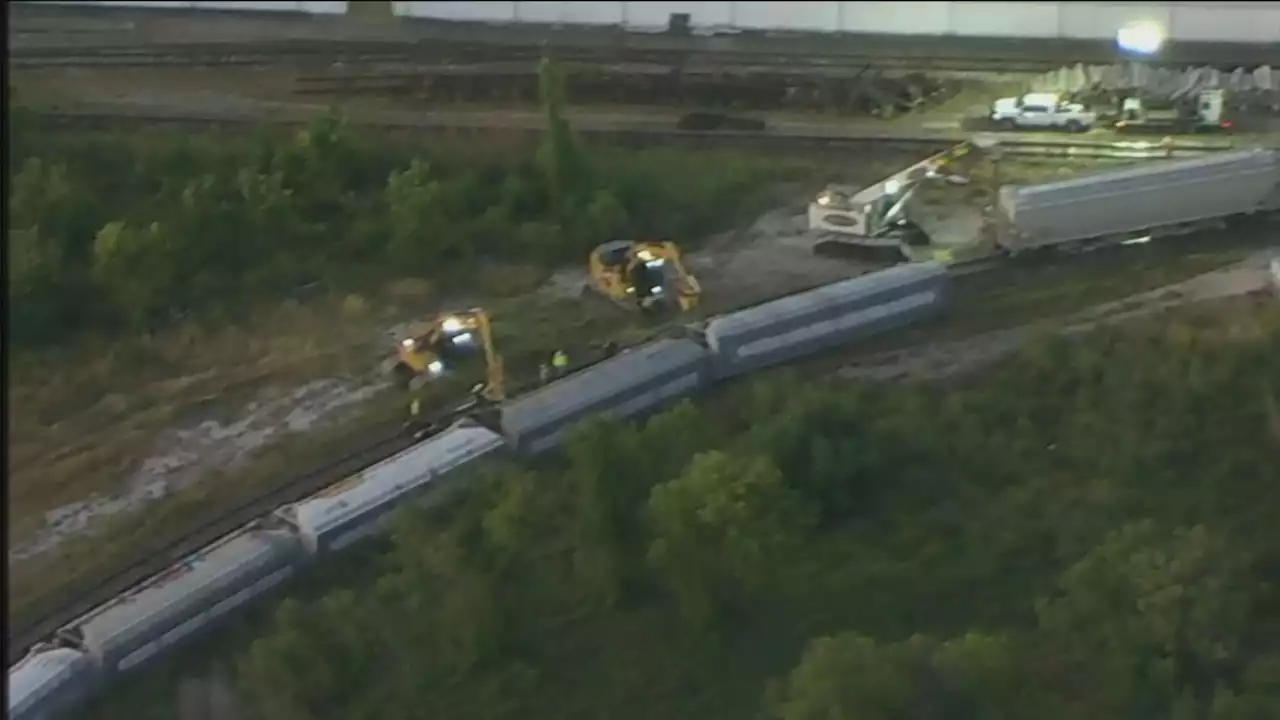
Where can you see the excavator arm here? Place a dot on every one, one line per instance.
(495, 387)
(423, 353)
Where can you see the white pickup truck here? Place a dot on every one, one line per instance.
(1041, 111)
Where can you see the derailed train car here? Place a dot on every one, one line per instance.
(48, 681)
(155, 617)
(186, 599)
(626, 386)
(361, 505)
(798, 325)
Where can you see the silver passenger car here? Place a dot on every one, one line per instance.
(360, 505)
(48, 681)
(188, 597)
(628, 385)
(798, 325)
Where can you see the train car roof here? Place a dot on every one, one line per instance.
(390, 477)
(252, 545)
(575, 393)
(37, 668)
(793, 305)
(1146, 170)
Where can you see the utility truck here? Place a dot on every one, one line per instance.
(1204, 112)
(1041, 111)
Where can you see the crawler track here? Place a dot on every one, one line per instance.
(378, 443)
(386, 439)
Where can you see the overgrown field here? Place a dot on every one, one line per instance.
(158, 280)
(1085, 531)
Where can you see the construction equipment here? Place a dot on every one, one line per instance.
(873, 216)
(435, 346)
(1204, 112)
(647, 273)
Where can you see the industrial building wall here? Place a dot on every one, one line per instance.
(1227, 21)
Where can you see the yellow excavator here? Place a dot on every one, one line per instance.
(646, 273)
(433, 347)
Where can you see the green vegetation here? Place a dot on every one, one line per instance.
(130, 231)
(161, 276)
(1086, 531)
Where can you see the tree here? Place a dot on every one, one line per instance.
(852, 677)
(559, 157)
(973, 677)
(1258, 697)
(319, 657)
(135, 267)
(422, 234)
(1149, 613)
(720, 528)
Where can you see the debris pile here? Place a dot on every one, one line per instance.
(1257, 89)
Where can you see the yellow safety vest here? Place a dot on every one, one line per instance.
(560, 360)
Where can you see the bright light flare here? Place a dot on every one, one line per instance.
(451, 325)
(1142, 38)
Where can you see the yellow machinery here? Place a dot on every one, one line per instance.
(433, 347)
(647, 273)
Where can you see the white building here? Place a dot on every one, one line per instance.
(1227, 21)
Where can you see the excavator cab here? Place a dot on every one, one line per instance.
(439, 345)
(648, 274)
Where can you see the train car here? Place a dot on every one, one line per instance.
(628, 385)
(190, 596)
(48, 681)
(797, 325)
(1138, 202)
(355, 508)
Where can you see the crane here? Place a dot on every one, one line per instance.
(432, 348)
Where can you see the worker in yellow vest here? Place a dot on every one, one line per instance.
(559, 363)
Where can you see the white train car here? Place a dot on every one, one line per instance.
(361, 505)
(797, 325)
(48, 681)
(1140, 201)
(189, 597)
(624, 387)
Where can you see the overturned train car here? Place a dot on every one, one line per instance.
(165, 611)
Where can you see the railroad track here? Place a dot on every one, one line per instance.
(385, 439)
(370, 53)
(381, 441)
(644, 132)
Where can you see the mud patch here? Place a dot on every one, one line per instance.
(185, 454)
(770, 258)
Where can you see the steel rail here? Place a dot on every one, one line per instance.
(369, 52)
(644, 131)
(384, 439)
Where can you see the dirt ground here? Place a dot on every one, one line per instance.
(267, 91)
(197, 419)
(185, 420)
(1228, 293)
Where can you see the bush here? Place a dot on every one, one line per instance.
(127, 231)
(1086, 532)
